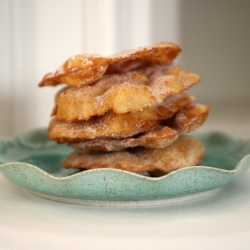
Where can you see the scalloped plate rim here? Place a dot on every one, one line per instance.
(236, 169)
(123, 173)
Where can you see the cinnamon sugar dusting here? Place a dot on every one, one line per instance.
(127, 111)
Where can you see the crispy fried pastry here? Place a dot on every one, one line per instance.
(127, 111)
(159, 137)
(118, 125)
(82, 70)
(123, 93)
(74, 104)
(186, 120)
(183, 152)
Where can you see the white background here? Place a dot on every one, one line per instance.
(36, 37)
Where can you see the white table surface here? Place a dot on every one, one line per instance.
(218, 221)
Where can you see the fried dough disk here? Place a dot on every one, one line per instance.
(123, 93)
(74, 104)
(159, 137)
(185, 151)
(186, 120)
(82, 70)
(118, 126)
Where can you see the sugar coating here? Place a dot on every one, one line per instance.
(183, 152)
(186, 120)
(122, 93)
(119, 126)
(85, 69)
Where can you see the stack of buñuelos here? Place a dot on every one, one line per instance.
(129, 111)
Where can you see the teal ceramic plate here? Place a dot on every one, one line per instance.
(31, 161)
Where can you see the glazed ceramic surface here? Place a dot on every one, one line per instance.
(32, 161)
